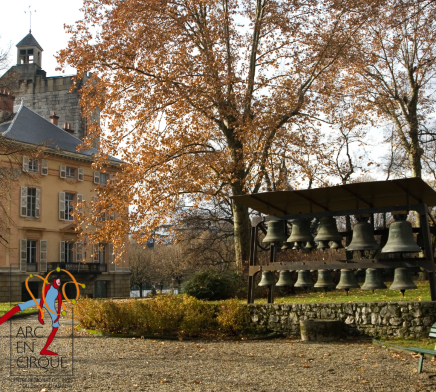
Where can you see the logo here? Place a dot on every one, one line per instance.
(33, 357)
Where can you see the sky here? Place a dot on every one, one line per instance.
(47, 28)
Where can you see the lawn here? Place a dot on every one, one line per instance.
(422, 293)
(5, 306)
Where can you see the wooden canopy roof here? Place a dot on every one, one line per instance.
(405, 191)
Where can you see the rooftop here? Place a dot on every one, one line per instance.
(404, 191)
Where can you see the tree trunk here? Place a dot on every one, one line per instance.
(241, 229)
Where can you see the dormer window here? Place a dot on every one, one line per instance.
(26, 56)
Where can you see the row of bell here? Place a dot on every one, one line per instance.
(373, 281)
(400, 235)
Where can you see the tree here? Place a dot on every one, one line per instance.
(392, 64)
(200, 98)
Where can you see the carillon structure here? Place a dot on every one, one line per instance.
(298, 207)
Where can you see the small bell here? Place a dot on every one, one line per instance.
(285, 279)
(401, 236)
(322, 245)
(296, 246)
(300, 231)
(363, 236)
(402, 281)
(328, 230)
(373, 280)
(304, 279)
(336, 245)
(287, 245)
(310, 245)
(268, 279)
(325, 279)
(347, 281)
(276, 232)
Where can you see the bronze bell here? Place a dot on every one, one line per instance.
(268, 279)
(287, 245)
(310, 245)
(276, 232)
(402, 281)
(373, 280)
(300, 231)
(336, 245)
(304, 279)
(347, 281)
(328, 230)
(325, 279)
(285, 279)
(401, 236)
(322, 245)
(363, 236)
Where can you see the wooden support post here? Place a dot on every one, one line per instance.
(253, 256)
(425, 231)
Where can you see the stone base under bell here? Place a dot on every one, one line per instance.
(321, 330)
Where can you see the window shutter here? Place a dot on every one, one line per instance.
(111, 179)
(43, 256)
(23, 201)
(37, 202)
(23, 255)
(111, 257)
(62, 251)
(80, 174)
(62, 171)
(96, 177)
(95, 252)
(61, 205)
(25, 164)
(44, 167)
(112, 216)
(79, 200)
(79, 252)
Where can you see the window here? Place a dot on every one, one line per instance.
(70, 172)
(26, 56)
(100, 253)
(101, 178)
(69, 252)
(69, 209)
(30, 201)
(31, 251)
(66, 208)
(33, 166)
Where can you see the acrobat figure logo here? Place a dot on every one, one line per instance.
(50, 293)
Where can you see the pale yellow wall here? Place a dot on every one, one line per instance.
(47, 226)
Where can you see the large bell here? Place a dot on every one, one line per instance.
(268, 278)
(401, 236)
(300, 231)
(304, 279)
(347, 280)
(325, 279)
(327, 230)
(285, 279)
(373, 280)
(363, 236)
(276, 232)
(402, 281)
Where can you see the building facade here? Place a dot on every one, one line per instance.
(41, 234)
(27, 81)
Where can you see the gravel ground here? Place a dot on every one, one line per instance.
(118, 364)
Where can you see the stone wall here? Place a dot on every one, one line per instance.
(394, 319)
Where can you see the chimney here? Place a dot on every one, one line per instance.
(6, 101)
(54, 119)
(67, 127)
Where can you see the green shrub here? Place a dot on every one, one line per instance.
(212, 285)
(164, 315)
(233, 317)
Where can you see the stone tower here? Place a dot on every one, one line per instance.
(45, 94)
